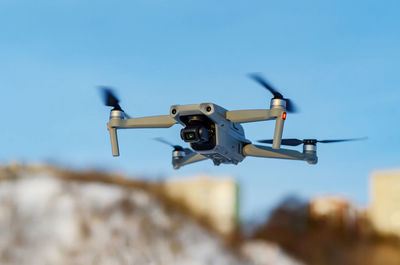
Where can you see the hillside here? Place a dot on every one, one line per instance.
(53, 216)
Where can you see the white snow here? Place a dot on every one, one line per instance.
(264, 253)
(49, 220)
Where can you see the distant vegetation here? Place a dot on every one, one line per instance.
(321, 242)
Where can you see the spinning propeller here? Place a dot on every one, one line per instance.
(296, 142)
(111, 100)
(290, 107)
(176, 147)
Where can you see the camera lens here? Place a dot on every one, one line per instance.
(189, 136)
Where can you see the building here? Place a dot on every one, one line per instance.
(215, 199)
(336, 210)
(385, 201)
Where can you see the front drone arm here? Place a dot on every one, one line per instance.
(162, 121)
(277, 114)
(242, 116)
(266, 151)
(118, 122)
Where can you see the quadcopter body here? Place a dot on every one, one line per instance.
(216, 133)
(209, 132)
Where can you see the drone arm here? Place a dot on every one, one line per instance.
(266, 151)
(114, 141)
(279, 122)
(162, 121)
(188, 159)
(242, 116)
(276, 114)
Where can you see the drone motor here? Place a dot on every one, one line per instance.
(278, 103)
(117, 114)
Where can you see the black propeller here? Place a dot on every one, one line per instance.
(290, 107)
(176, 147)
(296, 142)
(111, 100)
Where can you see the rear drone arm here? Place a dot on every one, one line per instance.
(277, 114)
(117, 121)
(266, 151)
(188, 159)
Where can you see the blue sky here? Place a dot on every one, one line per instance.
(337, 60)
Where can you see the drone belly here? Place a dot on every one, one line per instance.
(229, 145)
(222, 155)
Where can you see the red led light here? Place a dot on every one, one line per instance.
(284, 116)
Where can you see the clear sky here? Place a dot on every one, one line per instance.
(338, 61)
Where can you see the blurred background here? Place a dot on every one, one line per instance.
(337, 61)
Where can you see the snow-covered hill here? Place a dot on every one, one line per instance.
(48, 218)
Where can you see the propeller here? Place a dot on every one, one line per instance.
(111, 100)
(176, 147)
(290, 107)
(296, 142)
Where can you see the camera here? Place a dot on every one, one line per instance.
(199, 131)
(195, 134)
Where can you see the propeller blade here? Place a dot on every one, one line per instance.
(259, 79)
(109, 98)
(162, 140)
(290, 142)
(266, 141)
(290, 107)
(341, 140)
(296, 142)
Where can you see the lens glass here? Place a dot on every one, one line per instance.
(190, 136)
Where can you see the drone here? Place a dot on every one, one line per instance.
(216, 133)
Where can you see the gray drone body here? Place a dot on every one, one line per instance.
(216, 133)
(225, 139)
